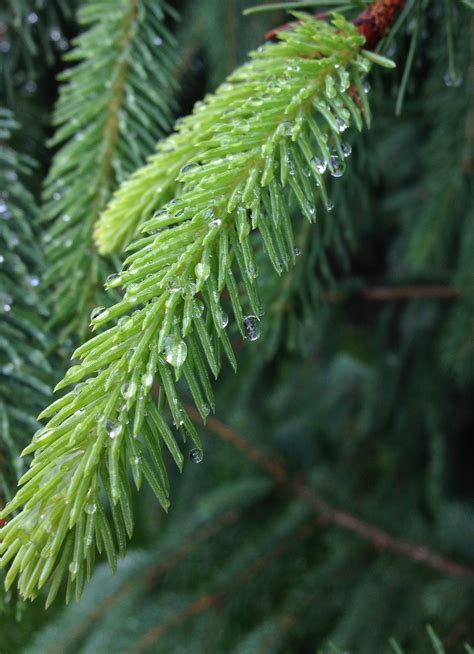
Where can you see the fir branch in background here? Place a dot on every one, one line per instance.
(256, 144)
(25, 373)
(115, 104)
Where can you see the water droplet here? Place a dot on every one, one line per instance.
(3, 207)
(205, 409)
(172, 286)
(329, 87)
(113, 280)
(35, 281)
(32, 18)
(97, 313)
(188, 291)
(157, 40)
(74, 568)
(55, 34)
(66, 218)
(147, 381)
(291, 166)
(7, 302)
(296, 251)
(175, 350)
(2, 259)
(342, 126)
(202, 270)
(223, 318)
(252, 327)
(198, 308)
(452, 80)
(346, 149)
(90, 508)
(31, 86)
(196, 455)
(320, 165)
(337, 166)
(189, 167)
(129, 390)
(330, 205)
(113, 428)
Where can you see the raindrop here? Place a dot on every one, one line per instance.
(32, 18)
(66, 218)
(55, 34)
(252, 327)
(97, 313)
(2, 259)
(74, 568)
(451, 80)
(113, 280)
(296, 251)
(175, 350)
(188, 291)
(337, 166)
(35, 281)
(342, 126)
(202, 270)
(223, 318)
(366, 87)
(346, 149)
(330, 206)
(31, 86)
(90, 508)
(189, 167)
(330, 88)
(198, 308)
(320, 165)
(113, 428)
(158, 40)
(129, 390)
(196, 455)
(205, 409)
(291, 166)
(7, 303)
(3, 207)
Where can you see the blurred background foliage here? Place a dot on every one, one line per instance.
(360, 386)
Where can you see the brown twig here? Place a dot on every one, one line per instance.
(381, 540)
(395, 293)
(373, 23)
(216, 599)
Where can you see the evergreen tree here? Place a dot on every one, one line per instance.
(316, 207)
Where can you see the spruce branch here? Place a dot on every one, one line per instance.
(262, 142)
(114, 105)
(25, 373)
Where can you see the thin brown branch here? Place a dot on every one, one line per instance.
(209, 600)
(395, 293)
(381, 540)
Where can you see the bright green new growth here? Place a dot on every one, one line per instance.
(114, 106)
(261, 143)
(25, 374)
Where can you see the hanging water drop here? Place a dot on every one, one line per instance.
(113, 280)
(113, 428)
(202, 270)
(157, 40)
(35, 281)
(296, 251)
(223, 318)
(366, 87)
(98, 313)
(341, 125)
(90, 508)
(252, 327)
(175, 350)
(346, 149)
(453, 80)
(337, 166)
(320, 165)
(196, 455)
(188, 168)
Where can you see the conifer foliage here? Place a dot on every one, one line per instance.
(270, 228)
(275, 124)
(115, 102)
